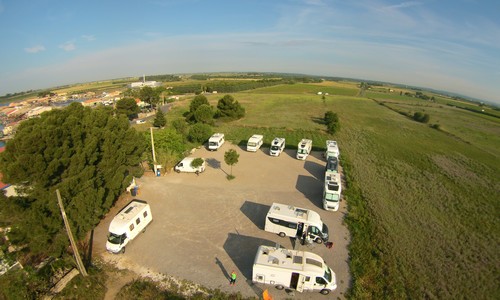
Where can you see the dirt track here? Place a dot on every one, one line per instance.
(206, 226)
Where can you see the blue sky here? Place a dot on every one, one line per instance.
(441, 44)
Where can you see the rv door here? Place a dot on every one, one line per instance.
(300, 284)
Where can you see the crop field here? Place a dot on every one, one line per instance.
(429, 209)
(329, 87)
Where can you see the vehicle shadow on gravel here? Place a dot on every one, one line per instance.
(214, 163)
(256, 212)
(315, 169)
(242, 250)
(312, 189)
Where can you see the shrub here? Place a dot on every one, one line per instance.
(199, 133)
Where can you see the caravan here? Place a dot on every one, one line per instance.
(304, 148)
(127, 224)
(294, 269)
(277, 146)
(215, 141)
(332, 191)
(332, 149)
(287, 220)
(254, 142)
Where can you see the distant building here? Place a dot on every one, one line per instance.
(144, 83)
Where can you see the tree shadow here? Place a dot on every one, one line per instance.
(312, 189)
(256, 212)
(215, 164)
(315, 169)
(317, 120)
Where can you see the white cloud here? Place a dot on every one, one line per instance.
(35, 49)
(88, 38)
(68, 46)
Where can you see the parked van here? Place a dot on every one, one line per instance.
(127, 224)
(304, 148)
(293, 269)
(277, 146)
(254, 142)
(287, 220)
(332, 164)
(215, 141)
(332, 149)
(185, 166)
(332, 191)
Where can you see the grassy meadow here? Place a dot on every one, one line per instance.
(423, 203)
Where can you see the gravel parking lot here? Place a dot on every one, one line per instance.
(205, 226)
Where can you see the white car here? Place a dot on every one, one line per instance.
(140, 122)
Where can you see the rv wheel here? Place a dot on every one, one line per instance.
(123, 250)
(318, 240)
(197, 172)
(178, 171)
(325, 292)
(280, 287)
(282, 234)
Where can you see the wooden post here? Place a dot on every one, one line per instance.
(79, 262)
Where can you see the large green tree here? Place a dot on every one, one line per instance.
(160, 120)
(150, 95)
(197, 101)
(128, 107)
(231, 158)
(204, 114)
(88, 154)
(229, 108)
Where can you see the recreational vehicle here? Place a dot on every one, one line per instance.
(288, 220)
(127, 224)
(185, 166)
(332, 149)
(254, 142)
(293, 269)
(304, 148)
(277, 146)
(215, 141)
(332, 191)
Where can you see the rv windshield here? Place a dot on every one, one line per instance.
(212, 143)
(302, 151)
(116, 239)
(332, 197)
(324, 230)
(328, 274)
(252, 144)
(274, 148)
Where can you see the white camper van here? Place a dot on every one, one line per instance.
(127, 224)
(277, 146)
(294, 269)
(288, 220)
(332, 149)
(215, 141)
(304, 148)
(185, 166)
(332, 191)
(254, 142)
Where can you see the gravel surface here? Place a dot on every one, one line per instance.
(205, 226)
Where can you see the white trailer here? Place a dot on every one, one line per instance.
(254, 142)
(288, 220)
(297, 270)
(215, 141)
(332, 149)
(332, 191)
(127, 224)
(185, 166)
(304, 148)
(277, 146)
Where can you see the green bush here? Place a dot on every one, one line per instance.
(199, 133)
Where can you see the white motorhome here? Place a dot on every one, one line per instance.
(288, 220)
(127, 224)
(185, 166)
(332, 149)
(254, 142)
(277, 146)
(294, 269)
(332, 191)
(215, 141)
(304, 148)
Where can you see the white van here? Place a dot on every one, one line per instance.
(215, 141)
(293, 269)
(332, 191)
(304, 148)
(287, 220)
(254, 142)
(277, 146)
(127, 224)
(185, 166)
(332, 149)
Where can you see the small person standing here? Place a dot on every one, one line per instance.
(233, 278)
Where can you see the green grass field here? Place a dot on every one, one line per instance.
(425, 222)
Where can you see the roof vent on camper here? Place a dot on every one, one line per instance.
(265, 251)
(276, 261)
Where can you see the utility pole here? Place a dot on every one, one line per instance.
(79, 262)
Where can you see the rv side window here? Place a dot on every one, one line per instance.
(145, 214)
(138, 221)
(275, 221)
(131, 227)
(320, 280)
(308, 278)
